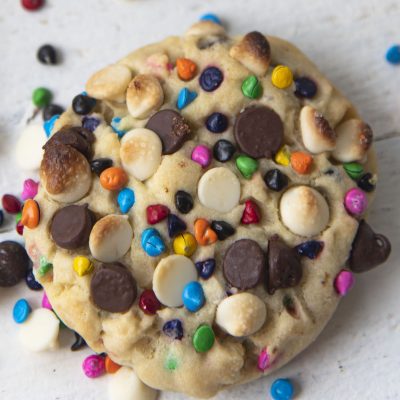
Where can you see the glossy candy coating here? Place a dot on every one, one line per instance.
(305, 88)
(100, 164)
(31, 282)
(203, 339)
(282, 389)
(223, 150)
(217, 122)
(149, 303)
(83, 104)
(32, 5)
(205, 268)
(47, 54)
(185, 97)
(11, 204)
(173, 329)
(211, 78)
(251, 87)
(355, 201)
(183, 201)
(51, 110)
(21, 311)
(41, 97)
(202, 155)
(93, 366)
(152, 243)
(126, 200)
(186, 69)
(193, 296)
(247, 166)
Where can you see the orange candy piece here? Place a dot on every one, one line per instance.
(30, 214)
(301, 162)
(113, 178)
(203, 233)
(111, 366)
(186, 69)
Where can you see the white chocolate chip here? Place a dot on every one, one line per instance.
(205, 28)
(40, 331)
(144, 96)
(171, 276)
(219, 189)
(353, 142)
(109, 83)
(111, 238)
(317, 134)
(241, 314)
(140, 152)
(304, 211)
(125, 385)
(29, 150)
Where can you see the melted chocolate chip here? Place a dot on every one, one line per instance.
(14, 263)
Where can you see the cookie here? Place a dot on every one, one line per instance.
(204, 230)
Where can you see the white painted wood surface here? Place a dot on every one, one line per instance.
(357, 356)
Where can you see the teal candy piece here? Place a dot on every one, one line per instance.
(126, 199)
(185, 97)
(193, 296)
(211, 17)
(152, 242)
(115, 126)
(282, 389)
(21, 311)
(49, 124)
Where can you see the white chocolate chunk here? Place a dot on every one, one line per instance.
(219, 189)
(304, 211)
(140, 153)
(125, 385)
(205, 28)
(317, 134)
(28, 151)
(171, 275)
(241, 314)
(144, 96)
(40, 331)
(110, 238)
(353, 142)
(109, 83)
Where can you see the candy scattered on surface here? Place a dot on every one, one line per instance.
(344, 281)
(222, 229)
(156, 213)
(21, 311)
(79, 343)
(282, 389)
(393, 55)
(247, 166)
(185, 244)
(282, 157)
(183, 201)
(11, 204)
(113, 178)
(175, 225)
(305, 87)
(251, 87)
(185, 97)
(367, 182)
(111, 366)
(83, 104)
(310, 249)
(40, 331)
(32, 5)
(203, 339)
(93, 366)
(51, 111)
(30, 189)
(186, 69)
(301, 162)
(354, 170)
(355, 201)
(211, 17)
(100, 164)
(30, 214)
(202, 155)
(263, 362)
(149, 303)
(211, 78)
(14, 263)
(217, 122)
(205, 268)
(82, 265)
(44, 266)
(173, 329)
(251, 213)
(282, 77)
(47, 54)
(203, 233)
(46, 302)
(41, 97)
(31, 282)
(276, 180)
(223, 150)
(193, 296)
(126, 200)
(152, 242)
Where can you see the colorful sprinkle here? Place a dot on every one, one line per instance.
(30, 214)
(247, 166)
(11, 204)
(264, 361)
(344, 281)
(30, 189)
(111, 366)
(282, 389)
(193, 296)
(113, 178)
(301, 162)
(49, 125)
(82, 265)
(126, 200)
(203, 233)
(203, 339)
(355, 201)
(149, 303)
(185, 97)
(46, 302)
(282, 157)
(251, 87)
(175, 225)
(185, 244)
(211, 17)
(152, 242)
(251, 213)
(354, 170)
(186, 69)
(41, 97)
(115, 125)
(21, 311)
(32, 5)
(44, 266)
(93, 366)
(282, 77)
(156, 213)
(201, 154)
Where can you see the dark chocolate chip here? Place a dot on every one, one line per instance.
(71, 226)
(175, 225)
(244, 264)
(113, 288)
(276, 180)
(222, 229)
(79, 342)
(366, 182)
(172, 129)
(183, 201)
(14, 263)
(100, 164)
(284, 267)
(369, 249)
(259, 132)
(223, 150)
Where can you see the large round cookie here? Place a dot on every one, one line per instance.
(202, 218)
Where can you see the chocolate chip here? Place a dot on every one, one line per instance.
(14, 263)
(71, 226)
(113, 288)
(222, 229)
(244, 264)
(172, 129)
(369, 249)
(79, 138)
(284, 267)
(259, 132)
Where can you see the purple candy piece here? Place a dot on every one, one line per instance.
(46, 302)
(30, 189)
(344, 281)
(264, 361)
(93, 366)
(355, 201)
(90, 123)
(202, 155)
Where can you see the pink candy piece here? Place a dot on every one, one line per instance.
(93, 366)
(264, 361)
(202, 155)
(30, 189)
(46, 302)
(355, 201)
(344, 281)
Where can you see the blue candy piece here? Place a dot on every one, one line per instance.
(282, 389)
(49, 124)
(173, 329)
(393, 55)
(205, 268)
(211, 78)
(217, 122)
(126, 199)
(310, 249)
(305, 88)
(84, 93)
(115, 125)
(21, 311)
(152, 242)
(185, 97)
(175, 225)
(31, 282)
(193, 296)
(211, 17)
(1, 217)
(90, 123)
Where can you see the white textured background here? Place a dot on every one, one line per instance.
(358, 355)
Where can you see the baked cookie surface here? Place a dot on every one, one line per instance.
(202, 209)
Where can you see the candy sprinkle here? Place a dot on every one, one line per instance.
(282, 77)
(393, 55)
(344, 281)
(93, 366)
(185, 97)
(251, 87)
(264, 361)
(203, 339)
(211, 17)
(21, 311)
(282, 389)
(193, 296)
(41, 97)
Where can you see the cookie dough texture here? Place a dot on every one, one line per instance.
(135, 339)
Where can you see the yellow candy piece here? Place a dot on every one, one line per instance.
(282, 77)
(185, 244)
(82, 265)
(282, 157)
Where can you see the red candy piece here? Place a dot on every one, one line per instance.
(32, 5)
(149, 303)
(156, 213)
(11, 204)
(251, 213)
(19, 228)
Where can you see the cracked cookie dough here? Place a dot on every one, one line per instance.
(204, 231)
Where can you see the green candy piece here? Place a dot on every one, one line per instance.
(44, 266)
(247, 166)
(203, 339)
(354, 170)
(18, 217)
(251, 87)
(41, 97)
(171, 363)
